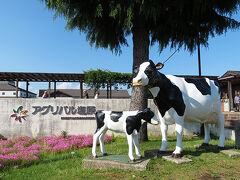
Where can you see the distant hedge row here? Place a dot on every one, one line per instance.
(97, 79)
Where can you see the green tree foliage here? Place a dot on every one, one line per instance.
(96, 79)
(170, 22)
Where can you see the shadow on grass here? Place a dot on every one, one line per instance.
(205, 149)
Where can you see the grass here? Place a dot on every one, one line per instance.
(207, 163)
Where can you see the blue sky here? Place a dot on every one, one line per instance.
(31, 41)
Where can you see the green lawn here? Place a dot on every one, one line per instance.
(207, 164)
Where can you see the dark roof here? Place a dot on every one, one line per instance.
(9, 87)
(41, 77)
(75, 93)
(231, 73)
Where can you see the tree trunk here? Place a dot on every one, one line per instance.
(140, 55)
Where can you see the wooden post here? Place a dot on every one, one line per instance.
(55, 87)
(27, 89)
(81, 89)
(49, 88)
(107, 91)
(110, 89)
(230, 95)
(17, 88)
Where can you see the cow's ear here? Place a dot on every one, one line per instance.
(159, 66)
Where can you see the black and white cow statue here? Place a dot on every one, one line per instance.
(128, 122)
(182, 100)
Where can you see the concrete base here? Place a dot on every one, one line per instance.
(230, 153)
(92, 163)
(177, 160)
(165, 155)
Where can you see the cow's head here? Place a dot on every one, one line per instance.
(146, 73)
(148, 115)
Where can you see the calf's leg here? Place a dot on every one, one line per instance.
(136, 144)
(130, 147)
(95, 140)
(101, 141)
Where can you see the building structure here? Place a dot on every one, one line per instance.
(230, 86)
(8, 90)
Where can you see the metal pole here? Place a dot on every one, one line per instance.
(200, 74)
(199, 59)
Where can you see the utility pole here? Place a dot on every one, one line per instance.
(200, 75)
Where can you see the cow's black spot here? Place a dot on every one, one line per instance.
(169, 95)
(100, 116)
(201, 84)
(115, 115)
(132, 122)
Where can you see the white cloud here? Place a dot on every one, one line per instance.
(67, 85)
(22, 84)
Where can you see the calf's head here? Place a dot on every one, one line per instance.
(146, 73)
(148, 115)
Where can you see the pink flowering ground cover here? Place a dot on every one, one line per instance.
(23, 148)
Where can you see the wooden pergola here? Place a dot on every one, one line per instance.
(42, 77)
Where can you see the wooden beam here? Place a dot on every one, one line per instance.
(27, 89)
(110, 89)
(17, 88)
(55, 87)
(107, 90)
(49, 88)
(81, 89)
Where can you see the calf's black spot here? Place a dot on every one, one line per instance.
(146, 114)
(100, 116)
(201, 84)
(132, 122)
(115, 115)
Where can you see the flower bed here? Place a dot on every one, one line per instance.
(23, 148)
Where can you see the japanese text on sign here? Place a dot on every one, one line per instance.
(69, 110)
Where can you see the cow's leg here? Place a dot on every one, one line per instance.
(101, 141)
(95, 140)
(179, 132)
(164, 129)
(221, 130)
(130, 147)
(136, 144)
(207, 137)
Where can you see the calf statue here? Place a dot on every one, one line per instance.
(128, 122)
(182, 100)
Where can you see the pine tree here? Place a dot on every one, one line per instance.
(173, 23)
